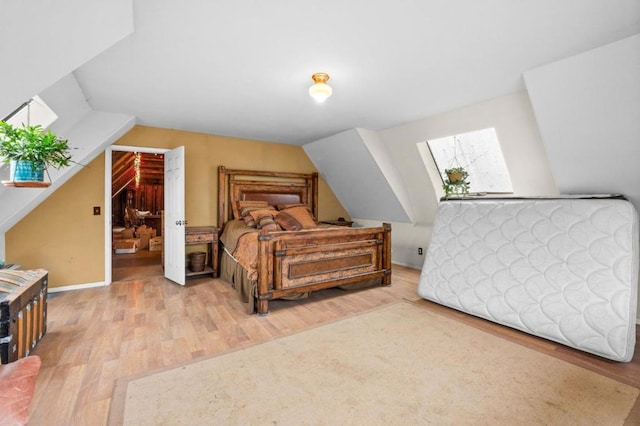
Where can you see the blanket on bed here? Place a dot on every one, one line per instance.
(240, 242)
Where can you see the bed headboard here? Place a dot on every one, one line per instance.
(274, 187)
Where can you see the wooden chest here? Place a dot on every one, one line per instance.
(23, 312)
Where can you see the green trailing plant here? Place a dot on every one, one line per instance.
(456, 183)
(34, 144)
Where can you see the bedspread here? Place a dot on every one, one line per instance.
(240, 242)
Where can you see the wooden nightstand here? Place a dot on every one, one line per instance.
(204, 235)
(338, 222)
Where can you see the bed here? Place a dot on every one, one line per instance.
(565, 269)
(264, 262)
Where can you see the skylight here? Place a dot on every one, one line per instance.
(479, 153)
(32, 113)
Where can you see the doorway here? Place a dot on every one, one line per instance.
(134, 204)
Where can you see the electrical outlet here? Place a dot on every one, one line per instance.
(420, 251)
(96, 211)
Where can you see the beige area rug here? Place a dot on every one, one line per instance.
(399, 364)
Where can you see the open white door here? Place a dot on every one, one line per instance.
(174, 216)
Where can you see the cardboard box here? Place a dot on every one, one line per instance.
(130, 245)
(155, 244)
(145, 234)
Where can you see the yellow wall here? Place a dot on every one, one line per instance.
(62, 235)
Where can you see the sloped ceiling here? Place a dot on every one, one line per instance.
(351, 171)
(592, 131)
(242, 68)
(123, 170)
(42, 41)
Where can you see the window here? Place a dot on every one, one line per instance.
(33, 112)
(479, 154)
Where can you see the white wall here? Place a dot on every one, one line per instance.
(67, 34)
(588, 111)
(89, 133)
(515, 125)
(348, 166)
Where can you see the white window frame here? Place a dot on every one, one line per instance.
(479, 153)
(34, 112)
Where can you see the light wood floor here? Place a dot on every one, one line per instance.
(96, 336)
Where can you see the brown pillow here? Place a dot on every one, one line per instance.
(250, 221)
(237, 207)
(265, 219)
(258, 213)
(248, 209)
(267, 222)
(287, 222)
(302, 215)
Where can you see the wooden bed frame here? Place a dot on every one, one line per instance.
(296, 262)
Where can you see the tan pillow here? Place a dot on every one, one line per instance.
(248, 209)
(302, 215)
(258, 213)
(237, 208)
(250, 221)
(267, 222)
(265, 219)
(287, 222)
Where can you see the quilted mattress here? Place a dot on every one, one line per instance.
(563, 269)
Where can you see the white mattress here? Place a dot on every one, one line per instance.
(562, 269)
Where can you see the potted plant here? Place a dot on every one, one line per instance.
(30, 150)
(456, 182)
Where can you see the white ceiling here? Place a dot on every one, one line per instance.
(242, 68)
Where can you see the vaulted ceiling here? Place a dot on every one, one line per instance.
(124, 170)
(242, 68)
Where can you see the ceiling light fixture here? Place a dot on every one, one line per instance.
(320, 90)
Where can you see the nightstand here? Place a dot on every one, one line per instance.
(204, 235)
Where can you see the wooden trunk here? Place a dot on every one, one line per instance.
(23, 312)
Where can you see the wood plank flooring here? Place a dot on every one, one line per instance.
(98, 335)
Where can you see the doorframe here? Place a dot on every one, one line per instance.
(108, 234)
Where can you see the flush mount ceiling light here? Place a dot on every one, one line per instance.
(320, 90)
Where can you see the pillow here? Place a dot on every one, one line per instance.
(264, 219)
(258, 213)
(248, 209)
(268, 223)
(237, 208)
(250, 221)
(302, 215)
(287, 222)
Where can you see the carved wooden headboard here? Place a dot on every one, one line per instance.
(274, 187)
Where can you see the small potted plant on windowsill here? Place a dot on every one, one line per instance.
(456, 183)
(30, 150)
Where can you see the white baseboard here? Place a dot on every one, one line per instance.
(76, 287)
(407, 265)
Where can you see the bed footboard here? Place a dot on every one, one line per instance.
(308, 260)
